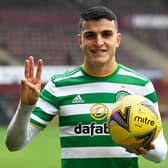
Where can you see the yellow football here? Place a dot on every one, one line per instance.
(133, 121)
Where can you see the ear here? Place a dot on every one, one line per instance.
(118, 39)
(79, 39)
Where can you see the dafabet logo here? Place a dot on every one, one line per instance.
(98, 112)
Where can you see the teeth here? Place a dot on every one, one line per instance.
(98, 50)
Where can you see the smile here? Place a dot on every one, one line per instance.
(97, 51)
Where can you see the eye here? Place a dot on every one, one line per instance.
(107, 34)
(89, 35)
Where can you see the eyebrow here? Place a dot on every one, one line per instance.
(106, 30)
(92, 32)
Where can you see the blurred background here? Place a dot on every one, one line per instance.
(47, 29)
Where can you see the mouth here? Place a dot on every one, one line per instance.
(98, 51)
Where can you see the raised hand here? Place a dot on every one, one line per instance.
(31, 84)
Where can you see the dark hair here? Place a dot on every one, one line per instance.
(97, 13)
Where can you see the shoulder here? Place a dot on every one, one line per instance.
(74, 73)
(130, 73)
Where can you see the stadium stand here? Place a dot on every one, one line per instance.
(47, 35)
(157, 38)
(50, 36)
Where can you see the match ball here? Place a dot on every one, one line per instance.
(133, 121)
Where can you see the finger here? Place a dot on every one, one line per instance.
(140, 151)
(143, 150)
(26, 71)
(131, 150)
(39, 69)
(149, 147)
(31, 66)
(152, 146)
(21, 84)
(22, 87)
(134, 150)
(149, 139)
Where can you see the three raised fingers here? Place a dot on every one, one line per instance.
(29, 68)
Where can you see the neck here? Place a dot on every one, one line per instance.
(99, 70)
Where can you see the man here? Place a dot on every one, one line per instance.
(82, 98)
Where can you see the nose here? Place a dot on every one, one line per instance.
(99, 40)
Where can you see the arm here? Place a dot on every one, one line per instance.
(19, 131)
(156, 150)
(159, 153)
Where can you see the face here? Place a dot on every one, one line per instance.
(98, 41)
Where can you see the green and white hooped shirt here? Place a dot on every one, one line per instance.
(82, 101)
